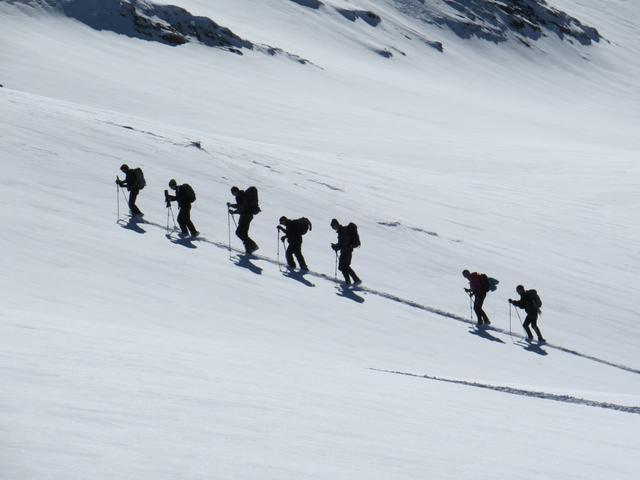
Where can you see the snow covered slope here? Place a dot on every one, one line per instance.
(130, 354)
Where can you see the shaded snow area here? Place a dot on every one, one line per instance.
(131, 353)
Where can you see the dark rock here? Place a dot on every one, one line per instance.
(315, 4)
(167, 24)
(497, 21)
(369, 17)
(384, 53)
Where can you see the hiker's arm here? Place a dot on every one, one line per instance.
(517, 303)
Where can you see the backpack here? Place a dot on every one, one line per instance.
(139, 178)
(354, 238)
(189, 194)
(535, 299)
(302, 225)
(488, 284)
(252, 200)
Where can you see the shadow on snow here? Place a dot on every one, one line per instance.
(410, 303)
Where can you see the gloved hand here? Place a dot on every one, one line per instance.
(511, 301)
(118, 182)
(468, 290)
(334, 246)
(283, 238)
(228, 204)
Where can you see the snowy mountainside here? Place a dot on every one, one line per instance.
(133, 354)
(525, 21)
(137, 355)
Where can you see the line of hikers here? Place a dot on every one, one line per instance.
(247, 206)
(480, 284)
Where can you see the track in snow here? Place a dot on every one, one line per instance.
(188, 242)
(524, 393)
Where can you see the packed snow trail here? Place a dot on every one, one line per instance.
(245, 261)
(522, 392)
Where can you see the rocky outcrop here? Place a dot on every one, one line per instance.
(167, 24)
(500, 20)
(367, 16)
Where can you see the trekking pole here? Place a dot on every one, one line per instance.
(470, 308)
(126, 200)
(335, 273)
(175, 227)
(278, 242)
(510, 332)
(118, 201)
(519, 319)
(170, 212)
(229, 229)
(124, 195)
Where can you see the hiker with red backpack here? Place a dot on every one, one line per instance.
(479, 285)
(530, 302)
(293, 231)
(246, 206)
(348, 239)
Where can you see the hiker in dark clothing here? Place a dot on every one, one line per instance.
(185, 196)
(530, 303)
(345, 246)
(293, 231)
(244, 208)
(134, 184)
(478, 288)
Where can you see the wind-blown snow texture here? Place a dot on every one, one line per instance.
(131, 354)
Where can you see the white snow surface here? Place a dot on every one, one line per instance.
(127, 354)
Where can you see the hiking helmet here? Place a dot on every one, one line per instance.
(234, 189)
(466, 273)
(124, 168)
(334, 222)
(173, 183)
(519, 289)
(283, 219)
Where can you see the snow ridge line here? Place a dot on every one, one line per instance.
(411, 303)
(523, 392)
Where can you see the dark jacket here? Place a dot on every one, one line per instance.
(182, 195)
(527, 302)
(478, 283)
(130, 180)
(293, 229)
(242, 203)
(344, 238)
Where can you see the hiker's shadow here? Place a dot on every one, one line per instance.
(347, 292)
(533, 347)
(244, 261)
(132, 224)
(185, 242)
(483, 333)
(298, 276)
